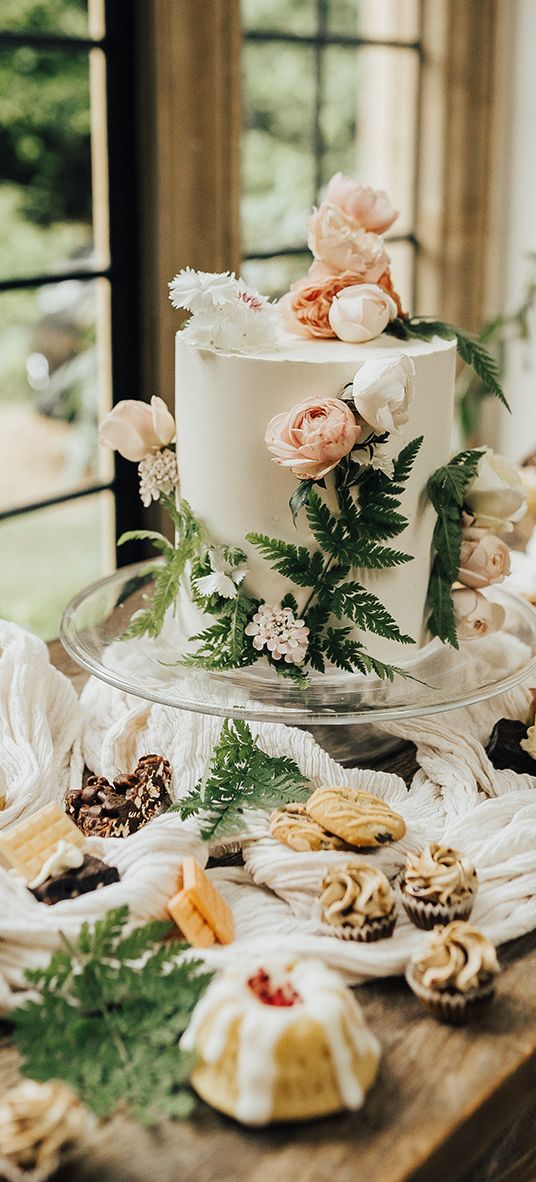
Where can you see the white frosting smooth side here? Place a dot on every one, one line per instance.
(223, 405)
(325, 999)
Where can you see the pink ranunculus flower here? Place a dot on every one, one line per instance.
(135, 429)
(360, 312)
(312, 437)
(474, 614)
(484, 558)
(343, 245)
(304, 310)
(370, 208)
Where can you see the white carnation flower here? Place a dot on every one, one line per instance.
(200, 290)
(225, 577)
(243, 327)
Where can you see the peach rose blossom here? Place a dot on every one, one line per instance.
(474, 614)
(135, 429)
(344, 245)
(305, 308)
(312, 437)
(484, 558)
(370, 208)
(361, 312)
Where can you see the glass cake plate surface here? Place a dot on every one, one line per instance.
(440, 679)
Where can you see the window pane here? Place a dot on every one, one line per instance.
(274, 276)
(45, 161)
(45, 16)
(54, 385)
(393, 19)
(338, 111)
(299, 16)
(278, 164)
(47, 556)
(387, 84)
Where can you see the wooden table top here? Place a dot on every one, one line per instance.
(456, 1105)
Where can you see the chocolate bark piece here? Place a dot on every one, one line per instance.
(91, 875)
(101, 809)
(504, 748)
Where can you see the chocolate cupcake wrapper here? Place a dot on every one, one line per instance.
(454, 1008)
(368, 933)
(427, 915)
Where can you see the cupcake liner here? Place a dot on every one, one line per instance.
(426, 915)
(372, 930)
(453, 1008)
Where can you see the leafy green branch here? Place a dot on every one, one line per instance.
(189, 537)
(447, 489)
(471, 350)
(240, 776)
(110, 1010)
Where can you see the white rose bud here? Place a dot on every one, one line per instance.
(383, 392)
(361, 312)
(496, 495)
(484, 558)
(475, 615)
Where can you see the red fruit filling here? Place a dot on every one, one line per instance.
(272, 995)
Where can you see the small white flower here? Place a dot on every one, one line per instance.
(225, 578)
(247, 326)
(381, 458)
(200, 290)
(158, 474)
(276, 628)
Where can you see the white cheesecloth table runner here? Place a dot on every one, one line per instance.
(46, 734)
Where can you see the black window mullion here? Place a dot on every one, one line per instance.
(81, 273)
(50, 41)
(60, 499)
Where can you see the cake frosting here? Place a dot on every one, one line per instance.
(457, 957)
(285, 1042)
(355, 893)
(440, 875)
(223, 404)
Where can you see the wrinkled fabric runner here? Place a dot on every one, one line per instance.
(46, 735)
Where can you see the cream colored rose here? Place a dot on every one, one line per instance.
(304, 309)
(312, 437)
(529, 744)
(383, 392)
(361, 312)
(136, 428)
(496, 495)
(484, 558)
(370, 208)
(474, 614)
(343, 245)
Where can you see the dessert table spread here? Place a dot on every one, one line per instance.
(449, 1103)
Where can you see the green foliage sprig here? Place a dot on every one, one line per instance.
(346, 541)
(241, 776)
(447, 488)
(470, 349)
(167, 575)
(110, 1011)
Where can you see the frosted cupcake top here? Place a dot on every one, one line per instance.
(458, 957)
(355, 893)
(439, 874)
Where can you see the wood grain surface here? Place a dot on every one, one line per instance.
(449, 1105)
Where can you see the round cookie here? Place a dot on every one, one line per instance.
(358, 818)
(293, 826)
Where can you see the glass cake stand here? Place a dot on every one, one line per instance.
(440, 678)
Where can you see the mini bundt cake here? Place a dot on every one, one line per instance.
(279, 1043)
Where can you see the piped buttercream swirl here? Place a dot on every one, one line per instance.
(439, 874)
(355, 893)
(458, 957)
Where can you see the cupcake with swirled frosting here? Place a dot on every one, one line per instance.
(454, 975)
(437, 885)
(357, 902)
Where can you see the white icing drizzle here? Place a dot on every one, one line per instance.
(65, 856)
(323, 997)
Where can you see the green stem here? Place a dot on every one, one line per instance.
(314, 591)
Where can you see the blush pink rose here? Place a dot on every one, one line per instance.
(135, 429)
(474, 614)
(361, 312)
(305, 308)
(484, 558)
(370, 208)
(312, 437)
(343, 245)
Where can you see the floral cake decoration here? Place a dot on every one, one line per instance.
(348, 441)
